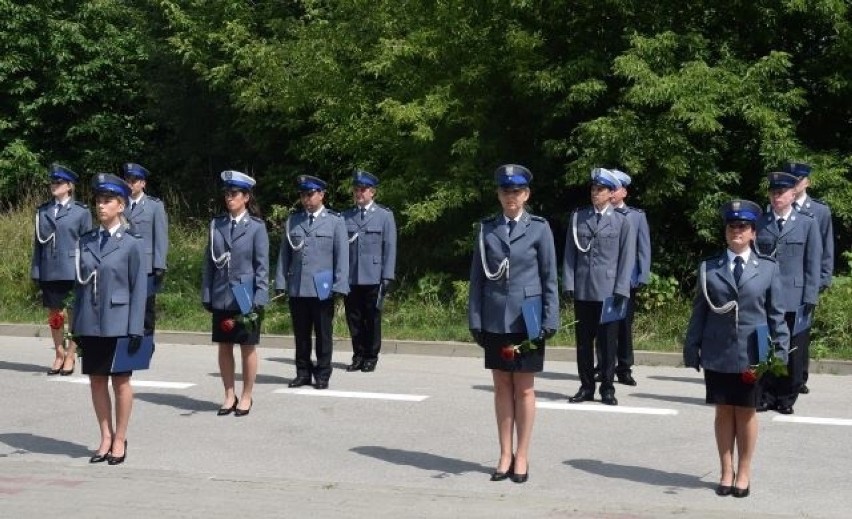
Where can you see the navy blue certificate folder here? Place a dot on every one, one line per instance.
(531, 308)
(803, 321)
(322, 282)
(611, 312)
(126, 361)
(761, 334)
(244, 294)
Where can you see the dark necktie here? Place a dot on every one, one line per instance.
(780, 223)
(597, 217)
(104, 238)
(311, 220)
(56, 210)
(363, 213)
(511, 224)
(132, 206)
(738, 269)
(233, 227)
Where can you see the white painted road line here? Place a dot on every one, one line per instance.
(133, 382)
(600, 408)
(352, 394)
(812, 420)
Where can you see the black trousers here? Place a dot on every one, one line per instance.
(312, 316)
(365, 321)
(624, 350)
(590, 334)
(783, 391)
(150, 307)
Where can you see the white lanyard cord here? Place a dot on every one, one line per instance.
(353, 238)
(502, 268)
(225, 258)
(576, 239)
(38, 233)
(290, 241)
(92, 278)
(727, 307)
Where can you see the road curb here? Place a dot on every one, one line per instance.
(433, 348)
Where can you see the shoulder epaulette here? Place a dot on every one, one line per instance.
(767, 258)
(81, 204)
(807, 213)
(153, 198)
(537, 218)
(257, 219)
(634, 209)
(386, 208)
(819, 201)
(133, 233)
(489, 219)
(332, 212)
(622, 210)
(46, 204)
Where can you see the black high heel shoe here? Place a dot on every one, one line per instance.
(100, 458)
(66, 372)
(117, 460)
(500, 476)
(740, 492)
(520, 478)
(724, 490)
(225, 411)
(243, 412)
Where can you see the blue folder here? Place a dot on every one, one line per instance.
(140, 359)
(322, 282)
(244, 294)
(531, 308)
(761, 334)
(803, 321)
(610, 312)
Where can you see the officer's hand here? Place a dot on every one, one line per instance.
(476, 333)
(159, 274)
(543, 335)
(208, 307)
(693, 362)
(134, 344)
(386, 286)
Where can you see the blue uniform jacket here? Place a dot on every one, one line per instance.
(54, 259)
(726, 342)
(642, 265)
(111, 302)
(495, 305)
(149, 221)
(798, 251)
(606, 267)
(822, 213)
(248, 263)
(372, 245)
(316, 248)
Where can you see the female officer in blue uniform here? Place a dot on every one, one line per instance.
(237, 254)
(59, 223)
(514, 260)
(738, 290)
(109, 303)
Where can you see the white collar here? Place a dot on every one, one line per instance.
(745, 256)
(137, 200)
(786, 217)
(239, 217)
(366, 207)
(802, 199)
(111, 230)
(62, 202)
(316, 214)
(506, 219)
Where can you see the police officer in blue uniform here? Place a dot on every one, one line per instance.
(793, 239)
(738, 291)
(313, 266)
(822, 213)
(638, 278)
(237, 255)
(513, 264)
(372, 265)
(59, 223)
(109, 303)
(598, 262)
(147, 217)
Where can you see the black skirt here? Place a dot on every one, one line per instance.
(54, 293)
(729, 389)
(98, 353)
(241, 334)
(521, 362)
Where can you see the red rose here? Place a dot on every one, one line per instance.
(56, 320)
(227, 325)
(748, 376)
(507, 353)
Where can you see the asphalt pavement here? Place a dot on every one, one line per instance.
(416, 438)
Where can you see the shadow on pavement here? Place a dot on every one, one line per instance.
(23, 368)
(181, 402)
(25, 442)
(547, 395)
(644, 475)
(694, 380)
(670, 398)
(423, 460)
(334, 365)
(552, 375)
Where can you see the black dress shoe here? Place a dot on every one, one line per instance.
(740, 492)
(225, 411)
(355, 366)
(299, 382)
(609, 399)
(99, 458)
(582, 396)
(785, 409)
(66, 372)
(500, 476)
(321, 385)
(804, 390)
(243, 412)
(724, 490)
(520, 478)
(117, 460)
(626, 379)
(368, 366)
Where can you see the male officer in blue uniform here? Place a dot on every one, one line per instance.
(792, 238)
(600, 250)
(147, 218)
(372, 264)
(313, 265)
(822, 213)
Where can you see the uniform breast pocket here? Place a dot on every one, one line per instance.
(608, 237)
(323, 240)
(794, 248)
(373, 234)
